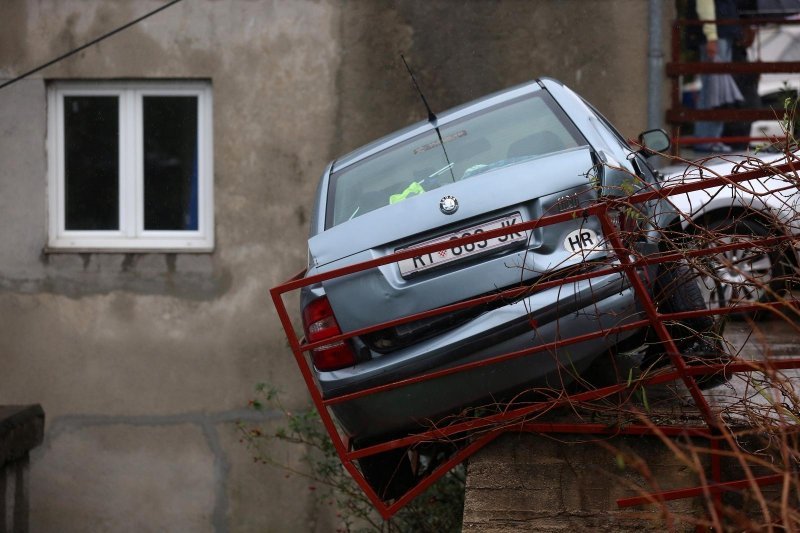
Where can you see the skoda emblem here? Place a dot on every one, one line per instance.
(448, 205)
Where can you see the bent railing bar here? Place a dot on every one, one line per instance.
(431, 248)
(536, 286)
(565, 428)
(579, 428)
(661, 377)
(513, 416)
(485, 362)
(657, 323)
(714, 488)
(677, 113)
(532, 287)
(442, 469)
(532, 427)
(567, 341)
(641, 197)
(716, 475)
(549, 428)
(597, 210)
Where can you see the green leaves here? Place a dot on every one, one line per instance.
(439, 509)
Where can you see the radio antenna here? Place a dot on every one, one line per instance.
(431, 116)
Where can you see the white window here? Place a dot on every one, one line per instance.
(130, 166)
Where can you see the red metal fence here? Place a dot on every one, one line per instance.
(475, 432)
(678, 115)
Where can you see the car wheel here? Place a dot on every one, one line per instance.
(699, 339)
(389, 473)
(677, 290)
(741, 276)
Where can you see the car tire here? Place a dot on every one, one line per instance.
(676, 291)
(744, 276)
(699, 339)
(389, 473)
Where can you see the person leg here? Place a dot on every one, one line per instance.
(718, 91)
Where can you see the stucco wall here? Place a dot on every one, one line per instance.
(143, 362)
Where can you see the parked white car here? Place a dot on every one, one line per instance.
(758, 208)
(775, 43)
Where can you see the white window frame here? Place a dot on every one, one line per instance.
(131, 236)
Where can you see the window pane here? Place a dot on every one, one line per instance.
(170, 163)
(91, 162)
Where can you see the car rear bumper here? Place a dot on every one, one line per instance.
(561, 312)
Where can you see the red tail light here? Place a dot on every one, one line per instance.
(320, 324)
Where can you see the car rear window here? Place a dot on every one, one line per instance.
(506, 134)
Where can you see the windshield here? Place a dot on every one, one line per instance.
(503, 135)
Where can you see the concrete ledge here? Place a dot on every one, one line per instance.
(528, 482)
(532, 482)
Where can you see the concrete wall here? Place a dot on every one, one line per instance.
(143, 362)
(567, 483)
(555, 483)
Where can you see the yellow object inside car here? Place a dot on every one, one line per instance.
(413, 189)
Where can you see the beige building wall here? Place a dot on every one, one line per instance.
(143, 362)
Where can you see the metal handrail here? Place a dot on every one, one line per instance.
(678, 114)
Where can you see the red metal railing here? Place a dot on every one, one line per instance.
(678, 115)
(479, 431)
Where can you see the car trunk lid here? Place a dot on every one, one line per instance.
(383, 293)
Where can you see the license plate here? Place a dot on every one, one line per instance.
(414, 265)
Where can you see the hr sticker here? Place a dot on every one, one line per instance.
(581, 240)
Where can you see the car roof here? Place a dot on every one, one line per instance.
(423, 126)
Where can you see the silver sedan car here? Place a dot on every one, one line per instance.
(497, 162)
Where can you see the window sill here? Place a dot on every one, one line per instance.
(144, 248)
(86, 250)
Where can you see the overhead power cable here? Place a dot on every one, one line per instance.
(90, 43)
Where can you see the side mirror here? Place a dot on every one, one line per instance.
(654, 141)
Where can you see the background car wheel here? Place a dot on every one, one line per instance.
(742, 276)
